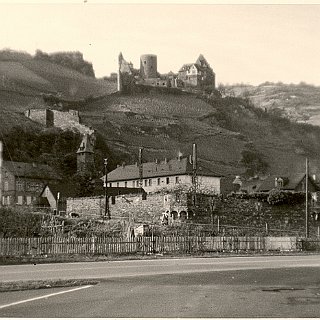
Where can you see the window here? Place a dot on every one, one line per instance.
(150, 182)
(6, 186)
(125, 184)
(33, 186)
(113, 200)
(158, 181)
(145, 183)
(20, 200)
(133, 184)
(19, 186)
(177, 179)
(110, 184)
(29, 200)
(138, 184)
(167, 180)
(117, 184)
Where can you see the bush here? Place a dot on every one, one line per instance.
(19, 223)
(73, 60)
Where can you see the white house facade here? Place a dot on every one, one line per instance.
(163, 175)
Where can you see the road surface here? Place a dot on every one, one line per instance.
(275, 286)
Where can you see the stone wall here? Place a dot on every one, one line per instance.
(86, 206)
(128, 207)
(256, 215)
(42, 116)
(66, 120)
(246, 216)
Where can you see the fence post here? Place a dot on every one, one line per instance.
(93, 245)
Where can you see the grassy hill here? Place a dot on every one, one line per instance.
(299, 102)
(26, 75)
(233, 134)
(164, 124)
(224, 130)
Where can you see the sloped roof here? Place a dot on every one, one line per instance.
(201, 64)
(153, 169)
(31, 170)
(202, 61)
(289, 183)
(114, 191)
(66, 189)
(86, 144)
(187, 66)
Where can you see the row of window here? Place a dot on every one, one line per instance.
(145, 182)
(7, 200)
(30, 186)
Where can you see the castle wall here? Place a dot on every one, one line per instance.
(42, 116)
(64, 119)
(60, 119)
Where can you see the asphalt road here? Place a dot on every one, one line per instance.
(227, 287)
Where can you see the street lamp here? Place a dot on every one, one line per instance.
(106, 208)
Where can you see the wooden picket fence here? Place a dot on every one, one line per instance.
(144, 245)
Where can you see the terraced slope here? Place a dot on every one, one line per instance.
(223, 129)
(297, 102)
(33, 76)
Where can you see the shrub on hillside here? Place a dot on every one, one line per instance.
(73, 60)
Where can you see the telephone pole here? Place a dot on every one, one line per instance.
(140, 168)
(1, 150)
(306, 217)
(106, 208)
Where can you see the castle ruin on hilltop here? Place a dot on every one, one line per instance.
(197, 75)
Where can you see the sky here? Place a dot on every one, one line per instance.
(243, 43)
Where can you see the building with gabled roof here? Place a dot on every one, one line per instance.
(23, 182)
(294, 182)
(168, 174)
(198, 74)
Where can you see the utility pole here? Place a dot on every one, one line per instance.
(194, 173)
(106, 208)
(140, 168)
(194, 166)
(1, 150)
(307, 176)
